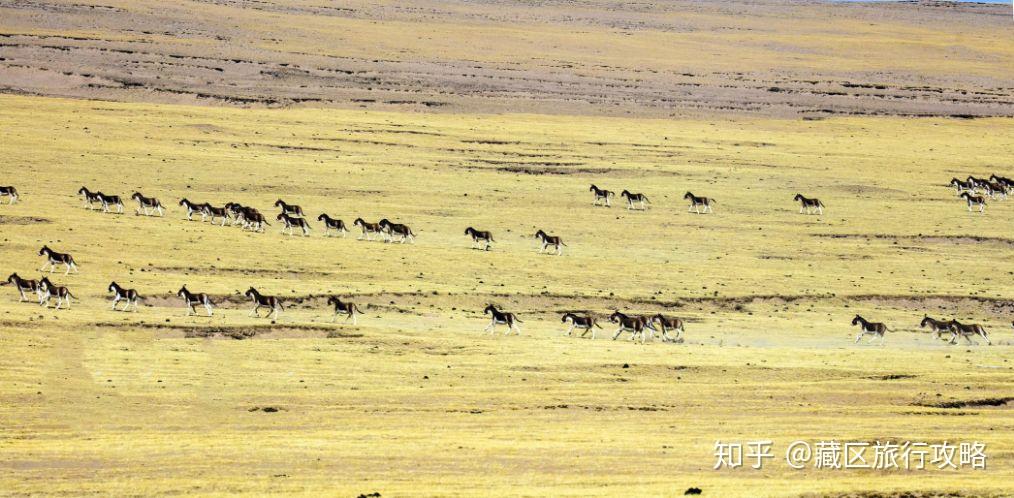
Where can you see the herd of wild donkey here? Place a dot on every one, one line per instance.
(292, 218)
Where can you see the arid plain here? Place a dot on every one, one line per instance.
(499, 115)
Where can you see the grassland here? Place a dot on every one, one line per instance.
(682, 58)
(415, 401)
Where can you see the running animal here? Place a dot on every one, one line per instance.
(961, 186)
(89, 197)
(47, 289)
(669, 323)
(111, 201)
(290, 209)
(635, 198)
(192, 207)
(633, 324)
(54, 258)
(130, 296)
(967, 331)
(480, 236)
(583, 322)
(550, 240)
(333, 224)
(601, 195)
(207, 210)
(347, 308)
(974, 200)
(810, 205)
(261, 301)
(391, 229)
(193, 299)
(147, 204)
(368, 229)
(290, 223)
(502, 318)
(699, 203)
(936, 326)
(11, 192)
(24, 285)
(873, 328)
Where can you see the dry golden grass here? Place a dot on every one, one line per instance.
(415, 401)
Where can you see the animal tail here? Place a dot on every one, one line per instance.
(516, 319)
(597, 324)
(72, 295)
(356, 306)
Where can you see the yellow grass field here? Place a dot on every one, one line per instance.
(416, 400)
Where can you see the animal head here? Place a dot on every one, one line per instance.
(250, 292)
(183, 291)
(136, 195)
(333, 300)
(112, 287)
(280, 216)
(83, 191)
(616, 316)
(44, 250)
(798, 197)
(857, 319)
(359, 222)
(540, 234)
(925, 320)
(593, 188)
(688, 195)
(322, 217)
(469, 230)
(279, 202)
(384, 222)
(489, 309)
(45, 282)
(13, 277)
